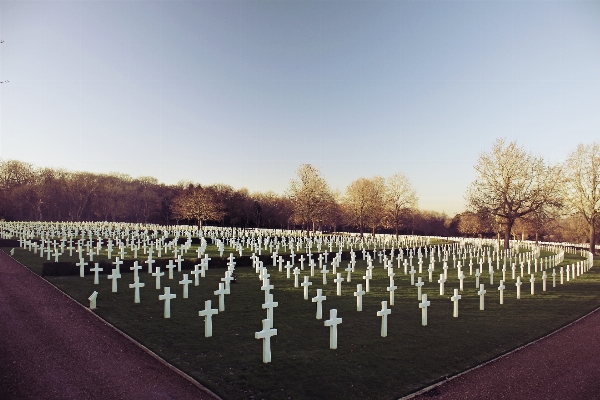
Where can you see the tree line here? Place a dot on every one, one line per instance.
(515, 195)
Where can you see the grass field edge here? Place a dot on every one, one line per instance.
(144, 348)
(448, 379)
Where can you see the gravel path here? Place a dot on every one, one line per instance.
(564, 365)
(53, 348)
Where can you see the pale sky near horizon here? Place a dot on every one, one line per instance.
(244, 92)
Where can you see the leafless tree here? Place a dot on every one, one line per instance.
(582, 171)
(309, 194)
(511, 184)
(399, 198)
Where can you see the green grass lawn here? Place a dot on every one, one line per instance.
(411, 357)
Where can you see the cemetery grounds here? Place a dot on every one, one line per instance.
(365, 364)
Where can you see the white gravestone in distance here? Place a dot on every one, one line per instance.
(338, 282)
(157, 275)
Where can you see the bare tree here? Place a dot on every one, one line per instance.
(399, 197)
(511, 184)
(198, 204)
(309, 194)
(364, 202)
(582, 171)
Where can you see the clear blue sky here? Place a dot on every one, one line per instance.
(244, 92)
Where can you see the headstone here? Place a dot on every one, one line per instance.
(481, 294)
(96, 270)
(305, 285)
(136, 285)
(92, 300)
(157, 275)
(338, 282)
(455, 300)
(207, 313)
(501, 289)
(441, 282)
(383, 314)
(332, 323)
(296, 275)
(319, 300)
(185, 282)
(518, 284)
(423, 306)
(114, 276)
(392, 289)
(270, 306)
(221, 292)
(532, 280)
(419, 286)
(170, 267)
(266, 334)
(359, 294)
(167, 297)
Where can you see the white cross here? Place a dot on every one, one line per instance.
(81, 265)
(221, 292)
(95, 270)
(423, 306)
(455, 299)
(179, 260)
(441, 282)
(339, 281)
(118, 264)
(384, 313)
(324, 271)
(359, 294)
(149, 261)
(185, 282)
(135, 269)
(301, 259)
(392, 288)
(477, 275)
(332, 323)
(349, 271)
(481, 294)
(544, 277)
(196, 272)
(227, 279)
(157, 275)
(419, 286)
(305, 285)
(319, 298)
(266, 334)
(170, 267)
(501, 289)
(288, 268)
(167, 298)
(266, 287)
(270, 305)
(532, 280)
(367, 278)
(296, 274)
(207, 313)
(136, 285)
(412, 275)
(114, 276)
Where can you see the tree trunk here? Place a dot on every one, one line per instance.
(507, 230)
(396, 230)
(593, 237)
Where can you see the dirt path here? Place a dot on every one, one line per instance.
(564, 365)
(53, 348)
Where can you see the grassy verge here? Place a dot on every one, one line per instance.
(365, 364)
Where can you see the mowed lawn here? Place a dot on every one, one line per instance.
(365, 365)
